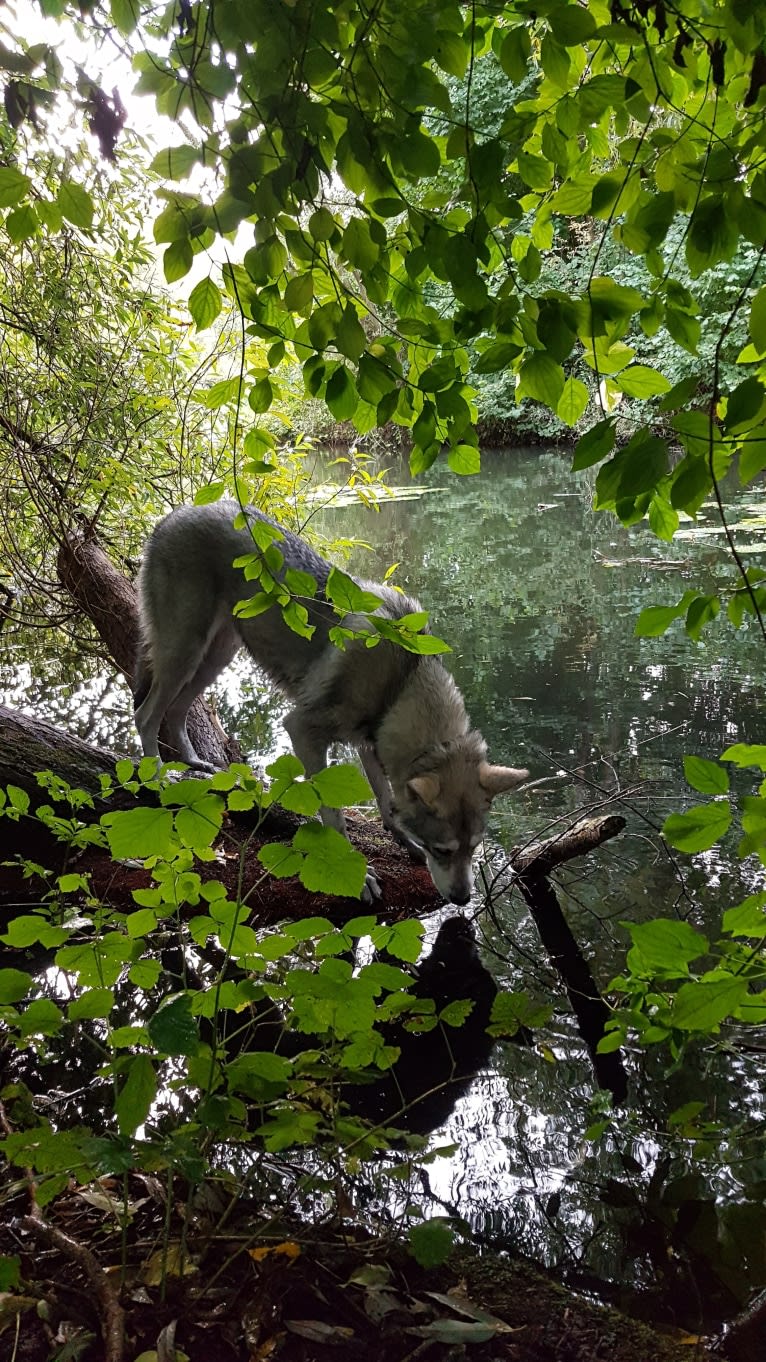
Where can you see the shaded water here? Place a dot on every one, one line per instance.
(539, 599)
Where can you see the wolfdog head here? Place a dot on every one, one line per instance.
(443, 806)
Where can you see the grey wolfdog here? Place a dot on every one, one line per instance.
(402, 711)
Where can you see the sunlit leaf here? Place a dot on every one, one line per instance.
(699, 828)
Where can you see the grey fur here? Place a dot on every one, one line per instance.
(403, 712)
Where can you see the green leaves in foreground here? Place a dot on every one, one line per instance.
(696, 609)
(431, 1242)
(321, 857)
(698, 829)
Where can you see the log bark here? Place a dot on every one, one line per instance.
(540, 858)
(29, 745)
(111, 602)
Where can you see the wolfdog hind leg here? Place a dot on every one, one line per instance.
(310, 747)
(219, 652)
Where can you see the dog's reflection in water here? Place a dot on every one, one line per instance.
(436, 1067)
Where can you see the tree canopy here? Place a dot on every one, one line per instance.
(382, 217)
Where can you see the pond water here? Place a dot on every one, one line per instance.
(538, 598)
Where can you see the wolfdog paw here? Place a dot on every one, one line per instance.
(372, 889)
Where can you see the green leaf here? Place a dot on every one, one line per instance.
(514, 54)
(177, 260)
(745, 754)
(680, 394)
(497, 356)
(663, 518)
(702, 1005)
(573, 197)
(76, 204)
(656, 619)
(13, 186)
(340, 394)
(254, 606)
(346, 594)
(205, 303)
(758, 320)
(573, 401)
(542, 379)
(248, 1073)
(691, 483)
(667, 946)
(14, 985)
(702, 610)
(748, 918)
(29, 929)
(744, 403)
(199, 824)
(139, 832)
(125, 17)
(451, 53)
(752, 455)
(685, 330)
(706, 776)
(299, 292)
(260, 396)
(712, 235)
(322, 225)
(350, 336)
(358, 246)
(135, 1098)
(699, 828)
(141, 922)
(22, 223)
(572, 25)
(281, 861)
(175, 163)
(464, 459)
(641, 381)
(419, 155)
(330, 865)
(173, 1029)
(341, 785)
(594, 445)
(431, 1243)
(94, 1002)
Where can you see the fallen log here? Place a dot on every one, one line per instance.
(540, 858)
(29, 745)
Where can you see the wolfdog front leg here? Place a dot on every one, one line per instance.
(384, 795)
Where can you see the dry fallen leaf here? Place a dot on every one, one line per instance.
(12, 1306)
(170, 1262)
(289, 1249)
(457, 1301)
(319, 1332)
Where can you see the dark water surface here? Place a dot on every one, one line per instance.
(539, 598)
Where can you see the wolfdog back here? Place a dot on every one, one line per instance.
(188, 588)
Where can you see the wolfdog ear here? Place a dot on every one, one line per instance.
(496, 779)
(425, 788)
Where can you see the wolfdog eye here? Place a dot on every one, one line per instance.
(443, 850)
